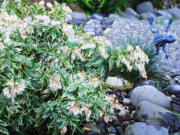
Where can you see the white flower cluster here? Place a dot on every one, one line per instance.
(13, 89)
(69, 31)
(68, 12)
(115, 105)
(1, 46)
(104, 43)
(118, 83)
(9, 24)
(77, 55)
(77, 109)
(93, 81)
(88, 46)
(139, 58)
(54, 83)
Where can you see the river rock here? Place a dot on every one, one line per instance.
(140, 128)
(174, 89)
(97, 16)
(150, 94)
(155, 115)
(163, 13)
(145, 7)
(78, 16)
(175, 12)
(147, 15)
(131, 12)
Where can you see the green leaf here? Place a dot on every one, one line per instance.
(2, 123)
(4, 131)
(101, 69)
(111, 63)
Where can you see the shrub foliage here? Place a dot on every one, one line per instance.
(52, 73)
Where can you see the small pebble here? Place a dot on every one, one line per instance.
(127, 101)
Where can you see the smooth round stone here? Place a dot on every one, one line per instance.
(112, 130)
(145, 7)
(150, 94)
(155, 115)
(175, 12)
(87, 26)
(91, 33)
(93, 21)
(78, 16)
(130, 11)
(127, 101)
(99, 31)
(139, 128)
(97, 16)
(90, 30)
(174, 89)
(78, 22)
(117, 122)
(108, 21)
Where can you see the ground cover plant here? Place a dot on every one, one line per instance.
(52, 73)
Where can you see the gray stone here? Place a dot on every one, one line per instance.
(152, 114)
(152, 83)
(114, 16)
(177, 133)
(90, 30)
(92, 127)
(130, 11)
(150, 94)
(174, 89)
(112, 130)
(139, 128)
(78, 16)
(163, 13)
(108, 21)
(127, 101)
(175, 12)
(99, 31)
(89, 27)
(94, 21)
(91, 33)
(145, 7)
(147, 15)
(132, 17)
(122, 14)
(78, 22)
(97, 16)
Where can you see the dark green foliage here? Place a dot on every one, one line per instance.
(104, 6)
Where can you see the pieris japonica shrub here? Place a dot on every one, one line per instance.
(52, 73)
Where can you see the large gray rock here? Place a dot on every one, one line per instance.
(174, 89)
(155, 115)
(139, 128)
(78, 22)
(163, 13)
(78, 16)
(130, 11)
(145, 7)
(175, 12)
(147, 15)
(150, 94)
